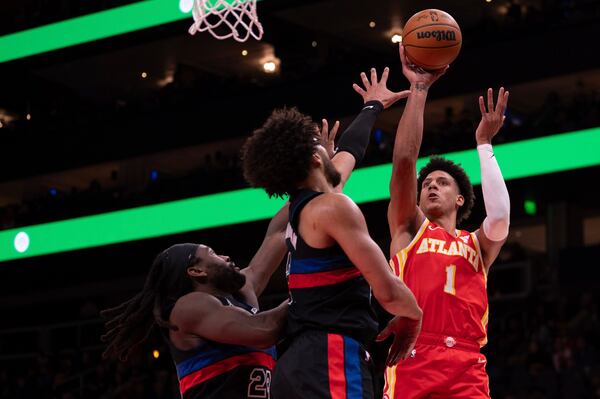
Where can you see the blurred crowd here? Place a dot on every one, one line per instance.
(538, 349)
(26, 15)
(221, 171)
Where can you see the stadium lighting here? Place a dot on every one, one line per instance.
(520, 159)
(270, 66)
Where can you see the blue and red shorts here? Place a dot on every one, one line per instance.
(323, 366)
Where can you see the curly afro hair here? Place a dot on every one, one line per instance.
(277, 157)
(465, 187)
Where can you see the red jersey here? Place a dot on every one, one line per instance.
(448, 278)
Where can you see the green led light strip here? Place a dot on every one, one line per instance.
(87, 28)
(521, 159)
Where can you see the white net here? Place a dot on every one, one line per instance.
(227, 18)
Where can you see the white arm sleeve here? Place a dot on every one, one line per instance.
(495, 195)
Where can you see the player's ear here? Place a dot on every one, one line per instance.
(316, 159)
(460, 200)
(195, 272)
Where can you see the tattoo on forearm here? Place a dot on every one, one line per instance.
(421, 86)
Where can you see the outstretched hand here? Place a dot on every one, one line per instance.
(418, 77)
(492, 119)
(405, 331)
(377, 90)
(328, 137)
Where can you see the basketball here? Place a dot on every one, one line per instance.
(431, 39)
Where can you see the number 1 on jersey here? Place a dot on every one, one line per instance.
(450, 277)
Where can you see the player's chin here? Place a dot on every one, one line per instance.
(432, 208)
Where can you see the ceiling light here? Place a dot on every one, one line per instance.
(244, 52)
(186, 6)
(372, 24)
(270, 66)
(314, 43)
(28, 116)
(488, 1)
(144, 75)
(396, 38)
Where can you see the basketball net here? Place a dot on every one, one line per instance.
(227, 18)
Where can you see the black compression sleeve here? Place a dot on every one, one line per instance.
(356, 137)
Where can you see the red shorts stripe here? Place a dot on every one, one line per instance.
(336, 367)
(311, 280)
(208, 372)
(396, 265)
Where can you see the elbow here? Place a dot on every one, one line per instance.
(404, 159)
(496, 228)
(400, 301)
(266, 340)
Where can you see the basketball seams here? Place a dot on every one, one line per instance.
(436, 24)
(451, 45)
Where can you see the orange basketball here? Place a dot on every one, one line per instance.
(431, 39)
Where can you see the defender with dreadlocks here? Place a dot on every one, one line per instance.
(446, 268)
(333, 260)
(207, 310)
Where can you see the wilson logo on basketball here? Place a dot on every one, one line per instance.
(439, 35)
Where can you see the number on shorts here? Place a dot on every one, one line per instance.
(260, 383)
(450, 277)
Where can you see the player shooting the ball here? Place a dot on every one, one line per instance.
(446, 268)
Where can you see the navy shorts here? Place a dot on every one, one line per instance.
(323, 366)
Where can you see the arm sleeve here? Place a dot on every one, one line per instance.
(495, 195)
(356, 137)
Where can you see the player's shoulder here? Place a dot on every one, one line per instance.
(336, 199)
(333, 205)
(199, 301)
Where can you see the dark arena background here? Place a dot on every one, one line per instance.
(111, 113)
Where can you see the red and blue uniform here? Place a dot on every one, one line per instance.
(330, 320)
(215, 370)
(447, 275)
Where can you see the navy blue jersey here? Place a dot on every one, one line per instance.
(215, 370)
(327, 292)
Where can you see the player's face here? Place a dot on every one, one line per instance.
(221, 272)
(333, 176)
(439, 195)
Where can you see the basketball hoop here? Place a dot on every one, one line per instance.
(227, 18)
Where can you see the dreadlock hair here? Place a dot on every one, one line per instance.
(465, 188)
(130, 323)
(277, 156)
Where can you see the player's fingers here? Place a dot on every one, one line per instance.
(481, 106)
(324, 129)
(373, 76)
(359, 90)
(384, 75)
(393, 355)
(490, 100)
(334, 131)
(500, 100)
(363, 77)
(383, 335)
(504, 103)
(404, 93)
